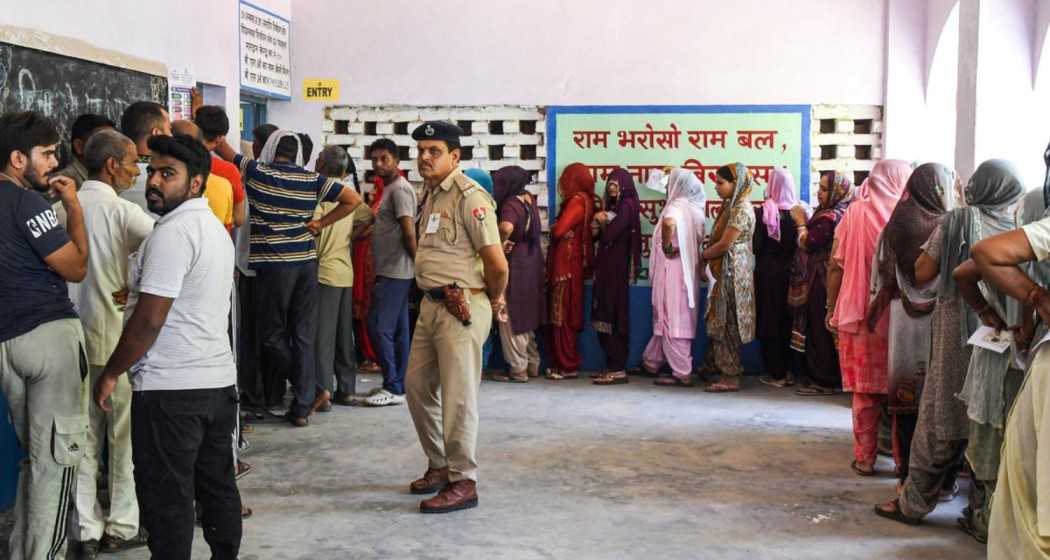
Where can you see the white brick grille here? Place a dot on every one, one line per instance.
(496, 136)
(845, 138)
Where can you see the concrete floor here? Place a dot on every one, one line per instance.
(570, 470)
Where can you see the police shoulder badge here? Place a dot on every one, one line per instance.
(479, 213)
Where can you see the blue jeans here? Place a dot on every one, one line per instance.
(388, 329)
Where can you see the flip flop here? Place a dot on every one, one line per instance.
(721, 388)
(672, 381)
(815, 391)
(859, 471)
(608, 379)
(967, 526)
(506, 378)
(896, 514)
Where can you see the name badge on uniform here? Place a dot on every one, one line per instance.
(433, 222)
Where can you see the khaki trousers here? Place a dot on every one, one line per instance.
(442, 384)
(113, 427)
(40, 374)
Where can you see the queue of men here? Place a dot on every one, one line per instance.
(116, 353)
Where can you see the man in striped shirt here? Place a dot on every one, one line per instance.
(282, 196)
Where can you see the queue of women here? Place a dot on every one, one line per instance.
(856, 294)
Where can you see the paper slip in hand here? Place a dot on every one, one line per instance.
(986, 337)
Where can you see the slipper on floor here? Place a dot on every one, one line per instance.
(896, 514)
(242, 470)
(859, 471)
(967, 526)
(555, 375)
(609, 379)
(506, 378)
(721, 388)
(815, 391)
(672, 381)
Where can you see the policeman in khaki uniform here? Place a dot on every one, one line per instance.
(461, 269)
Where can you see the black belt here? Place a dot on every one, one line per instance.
(438, 294)
(435, 294)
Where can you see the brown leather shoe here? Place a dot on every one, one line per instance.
(322, 398)
(432, 481)
(461, 494)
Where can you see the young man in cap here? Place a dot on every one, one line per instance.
(459, 240)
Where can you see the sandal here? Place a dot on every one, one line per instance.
(896, 514)
(722, 387)
(242, 470)
(555, 375)
(510, 377)
(616, 378)
(855, 465)
(672, 381)
(815, 391)
(778, 383)
(369, 367)
(642, 372)
(967, 526)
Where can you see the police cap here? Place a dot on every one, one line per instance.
(438, 130)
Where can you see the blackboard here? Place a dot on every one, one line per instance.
(63, 88)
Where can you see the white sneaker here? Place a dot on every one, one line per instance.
(384, 398)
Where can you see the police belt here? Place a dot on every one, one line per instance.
(438, 294)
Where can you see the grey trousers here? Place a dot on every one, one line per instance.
(40, 374)
(335, 340)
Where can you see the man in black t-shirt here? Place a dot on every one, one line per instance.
(42, 358)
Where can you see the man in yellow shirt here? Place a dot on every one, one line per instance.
(335, 275)
(217, 190)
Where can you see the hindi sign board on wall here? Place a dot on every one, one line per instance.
(698, 138)
(264, 54)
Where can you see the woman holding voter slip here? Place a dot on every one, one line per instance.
(943, 427)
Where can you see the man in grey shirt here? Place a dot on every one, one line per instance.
(393, 254)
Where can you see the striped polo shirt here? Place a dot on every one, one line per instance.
(282, 197)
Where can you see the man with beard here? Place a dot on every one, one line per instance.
(41, 341)
(116, 228)
(176, 347)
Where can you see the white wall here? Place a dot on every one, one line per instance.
(206, 41)
(544, 52)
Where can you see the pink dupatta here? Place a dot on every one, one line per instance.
(857, 236)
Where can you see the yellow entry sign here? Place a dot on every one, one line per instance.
(320, 90)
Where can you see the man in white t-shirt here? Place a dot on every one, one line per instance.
(176, 347)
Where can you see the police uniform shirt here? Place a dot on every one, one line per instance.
(457, 220)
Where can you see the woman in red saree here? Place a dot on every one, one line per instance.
(364, 283)
(569, 264)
